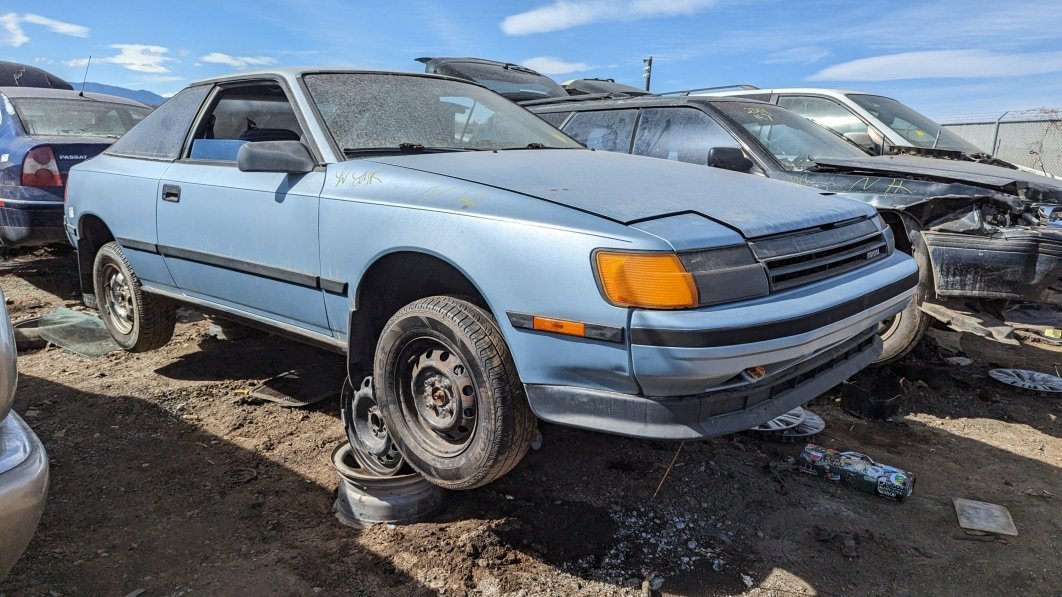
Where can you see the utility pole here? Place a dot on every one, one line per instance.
(647, 71)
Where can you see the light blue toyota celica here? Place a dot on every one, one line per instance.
(484, 269)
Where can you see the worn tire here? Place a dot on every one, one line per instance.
(499, 429)
(148, 320)
(904, 331)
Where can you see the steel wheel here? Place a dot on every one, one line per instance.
(118, 298)
(367, 431)
(437, 395)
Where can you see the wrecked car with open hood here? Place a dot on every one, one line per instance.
(483, 267)
(978, 231)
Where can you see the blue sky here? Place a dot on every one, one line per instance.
(942, 57)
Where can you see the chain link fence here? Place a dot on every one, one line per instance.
(1031, 138)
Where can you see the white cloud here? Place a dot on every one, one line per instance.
(56, 26)
(801, 55)
(554, 66)
(942, 64)
(565, 14)
(15, 35)
(135, 57)
(237, 61)
(43, 60)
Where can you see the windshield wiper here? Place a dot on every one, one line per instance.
(401, 148)
(535, 146)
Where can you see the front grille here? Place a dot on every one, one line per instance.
(803, 257)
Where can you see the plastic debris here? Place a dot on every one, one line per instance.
(983, 516)
(1053, 333)
(859, 471)
(81, 333)
(786, 421)
(959, 361)
(1029, 380)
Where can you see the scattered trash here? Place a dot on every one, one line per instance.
(28, 335)
(718, 564)
(1029, 380)
(848, 548)
(1053, 333)
(79, 332)
(959, 361)
(782, 422)
(536, 440)
(137, 593)
(745, 578)
(983, 516)
(876, 398)
(298, 388)
(859, 471)
(668, 471)
(782, 429)
(364, 498)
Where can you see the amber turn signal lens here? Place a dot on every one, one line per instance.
(649, 280)
(559, 326)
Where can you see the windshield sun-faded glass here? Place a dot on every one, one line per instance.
(76, 118)
(793, 140)
(365, 111)
(920, 130)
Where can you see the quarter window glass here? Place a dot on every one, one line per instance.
(608, 130)
(682, 134)
(826, 112)
(554, 118)
(161, 134)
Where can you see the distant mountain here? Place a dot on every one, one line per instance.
(141, 95)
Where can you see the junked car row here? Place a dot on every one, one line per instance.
(482, 268)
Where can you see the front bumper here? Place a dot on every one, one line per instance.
(708, 414)
(23, 488)
(1015, 264)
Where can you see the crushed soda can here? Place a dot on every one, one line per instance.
(859, 471)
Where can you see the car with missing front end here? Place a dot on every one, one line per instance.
(481, 266)
(43, 133)
(983, 234)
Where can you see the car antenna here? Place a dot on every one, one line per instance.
(85, 78)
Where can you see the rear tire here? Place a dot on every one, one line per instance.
(449, 391)
(901, 334)
(137, 321)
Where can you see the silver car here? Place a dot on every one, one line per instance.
(23, 462)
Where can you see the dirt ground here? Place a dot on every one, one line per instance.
(166, 478)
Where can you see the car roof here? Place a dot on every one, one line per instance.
(294, 72)
(826, 90)
(17, 92)
(634, 102)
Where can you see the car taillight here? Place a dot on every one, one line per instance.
(40, 169)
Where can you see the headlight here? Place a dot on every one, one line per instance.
(680, 281)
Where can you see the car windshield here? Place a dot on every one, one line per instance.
(793, 140)
(920, 130)
(76, 117)
(366, 112)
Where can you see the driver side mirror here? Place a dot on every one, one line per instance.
(729, 158)
(289, 157)
(865, 142)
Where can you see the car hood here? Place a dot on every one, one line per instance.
(1014, 182)
(628, 189)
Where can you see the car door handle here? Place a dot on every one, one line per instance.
(171, 193)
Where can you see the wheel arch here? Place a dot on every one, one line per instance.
(92, 233)
(392, 281)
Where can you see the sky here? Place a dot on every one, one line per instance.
(943, 57)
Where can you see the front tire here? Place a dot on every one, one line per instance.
(902, 333)
(137, 321)
(448, 388)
